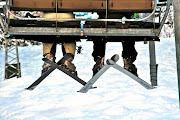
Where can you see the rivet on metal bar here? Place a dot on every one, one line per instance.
(82, 26)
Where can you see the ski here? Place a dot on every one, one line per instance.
(137, 79)
(45, 74)
(112, 63)
(89, 84)
(40, 79)
(66, 72)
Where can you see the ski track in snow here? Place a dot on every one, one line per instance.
(117, 97)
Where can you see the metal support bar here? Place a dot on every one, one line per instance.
(160, 15)
(137, 79)
(164, 18)
(176, 4)
(106, 23)
(56, 13)
(18, 63)
(76, 31)
(111, 63)
(89, 84)
(153, 65)
(12, 66)
(2, 23)
(6, 57)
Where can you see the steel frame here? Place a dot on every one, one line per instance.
(11, 59)
(176, 4)
(89, 32)
(86, 31)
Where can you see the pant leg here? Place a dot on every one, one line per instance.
(129, 50)
(69, 47)
(99, 49)
(49, 48)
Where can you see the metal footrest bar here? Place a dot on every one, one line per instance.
(137, 79)
(111, 63)
(89, 84)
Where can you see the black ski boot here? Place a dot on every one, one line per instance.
(99, 64)
(47, 66)
(128, 65)
(66, 63)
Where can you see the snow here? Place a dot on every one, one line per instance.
(117, 97)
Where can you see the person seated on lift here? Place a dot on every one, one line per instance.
(129, 52)
(68, 48)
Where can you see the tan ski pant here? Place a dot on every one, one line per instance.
(69, 47)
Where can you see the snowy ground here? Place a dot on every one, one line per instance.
(117, 97)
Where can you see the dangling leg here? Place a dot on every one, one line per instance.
(49, 51)
(68, 48)
(98, 54)
(69, 53)
(129, 56)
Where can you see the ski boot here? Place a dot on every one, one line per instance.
(99, 64)
(47, 66)
(129, 66)
(66, 63)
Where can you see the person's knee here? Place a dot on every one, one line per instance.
(59, 15)
(49, 48)
(69, 47)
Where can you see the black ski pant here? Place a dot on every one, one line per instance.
(129, 50)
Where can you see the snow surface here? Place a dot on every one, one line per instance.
(117, 97)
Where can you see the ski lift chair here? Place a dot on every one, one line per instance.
(143, 28)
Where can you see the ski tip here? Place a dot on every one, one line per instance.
(28, 89)
(155, 87)
(86, 91)
(110, 62)
(93, 87)
(81, 91)
(115, 57)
